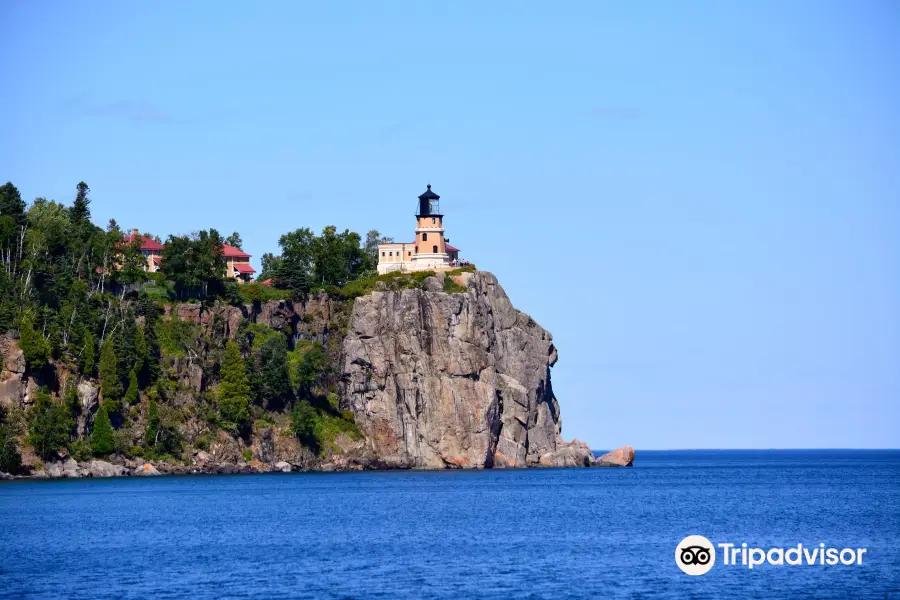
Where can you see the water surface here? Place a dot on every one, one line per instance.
(553, 533)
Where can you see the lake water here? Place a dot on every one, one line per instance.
(554, 533)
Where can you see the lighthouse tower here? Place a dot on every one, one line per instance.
(429, 247)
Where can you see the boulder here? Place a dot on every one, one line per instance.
(573, 454)
(265, 449)
(101, 468)
(202, 457)
(67, 468)
(283, 466)
(146, 470)
(622, 457)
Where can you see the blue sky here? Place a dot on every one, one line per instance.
(701, 200)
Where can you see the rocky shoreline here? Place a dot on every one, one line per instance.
(72, 469)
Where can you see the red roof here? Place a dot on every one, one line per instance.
(244, 268)
(231, 252)
(267, 282)
(147, 243)
(451, 248)
(157, 259)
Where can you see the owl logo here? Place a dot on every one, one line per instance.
(695, 555)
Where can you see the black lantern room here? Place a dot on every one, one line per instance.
(429, 204)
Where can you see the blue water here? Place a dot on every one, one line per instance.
(555, 533)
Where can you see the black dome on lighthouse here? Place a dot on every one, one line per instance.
(429, 195)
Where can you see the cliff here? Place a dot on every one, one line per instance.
(453, 380)
(428, 379)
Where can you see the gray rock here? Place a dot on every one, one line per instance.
(67, 468)
(202, 457)
(266, 446)
(622, 457)
(574, 454)
(435, 284)
(440, 380)
(101, 468)
(88, 394)
(283, 466)
(146, 469)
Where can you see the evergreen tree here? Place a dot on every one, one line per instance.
(152, 431)
(110, 384)
(10, 459)
(12, 205)
(35, 346)
(102, 436)
(234, 389)
(80, 212)
(87, 355)
(131, 394)
(51, 426)
(140, 353)
(234, 240)
(273, 378)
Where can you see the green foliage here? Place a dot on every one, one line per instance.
(10, 459)
(257, 292)
(102, 442)
(35, 346)
(132, 394)
(234, 388)
(88, 357)
(195, 264)
(271, 379)
(317, 428)
(12, 205)
(308, 363)
(331, 259)
(110, 383)
(202, 442)
(247, 454)
(175, 336)
(51, 426)
(469, 268)
(80, 449)
(151, 433)
(81, 211)
(451, 287)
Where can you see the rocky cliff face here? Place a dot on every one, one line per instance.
(453, 380)
(434, 380)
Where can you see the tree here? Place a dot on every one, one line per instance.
(194, 263)
(110, 383)
(373, 238)
(294, 271)
(308, 363)
(305, 421)
(34, 346)
(80, 212)
(151, 433)
(10, 459)
(270, 264)
(134, 263)
(102, 442)
(88, 358)
(234, 388)
(12, 205)
(273, 378)
(132, 393)
(234, 240)
(51, 426)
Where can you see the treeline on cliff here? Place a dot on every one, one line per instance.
(77, 301)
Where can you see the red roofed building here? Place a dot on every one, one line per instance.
(150, 248)
(237, 264)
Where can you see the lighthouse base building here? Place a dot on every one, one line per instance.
(429, 251)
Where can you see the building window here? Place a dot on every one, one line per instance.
(390, 253)
(433, 220)
(434, 249)
(382, 254)
(409, 253)
(424, 237)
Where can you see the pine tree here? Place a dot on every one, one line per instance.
(140, 353)
(102, 436)
(51, 426)
(131, 395)
(110, 384)
(234, 389)
(34, 346)
(150, 433)
(87, 356)
(81, 211)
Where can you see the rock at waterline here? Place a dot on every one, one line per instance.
(146, 469)
(623, 457)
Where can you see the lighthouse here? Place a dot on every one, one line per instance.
(429, 251)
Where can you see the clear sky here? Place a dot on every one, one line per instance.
(701, 200)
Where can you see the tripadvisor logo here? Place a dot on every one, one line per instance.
(696, 555)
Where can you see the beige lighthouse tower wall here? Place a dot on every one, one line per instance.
(419, 255)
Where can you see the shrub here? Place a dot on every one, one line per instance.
(80, 449)
(131, 396)
(102, 442)
(247, 454)
(202, 442)
(234, 389)
(257, 292)
(451, 287)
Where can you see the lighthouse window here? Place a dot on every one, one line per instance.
(433, 220)
(424, 237)
(409, 253)
(434, 249)
(382, 254)
(390, 253)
